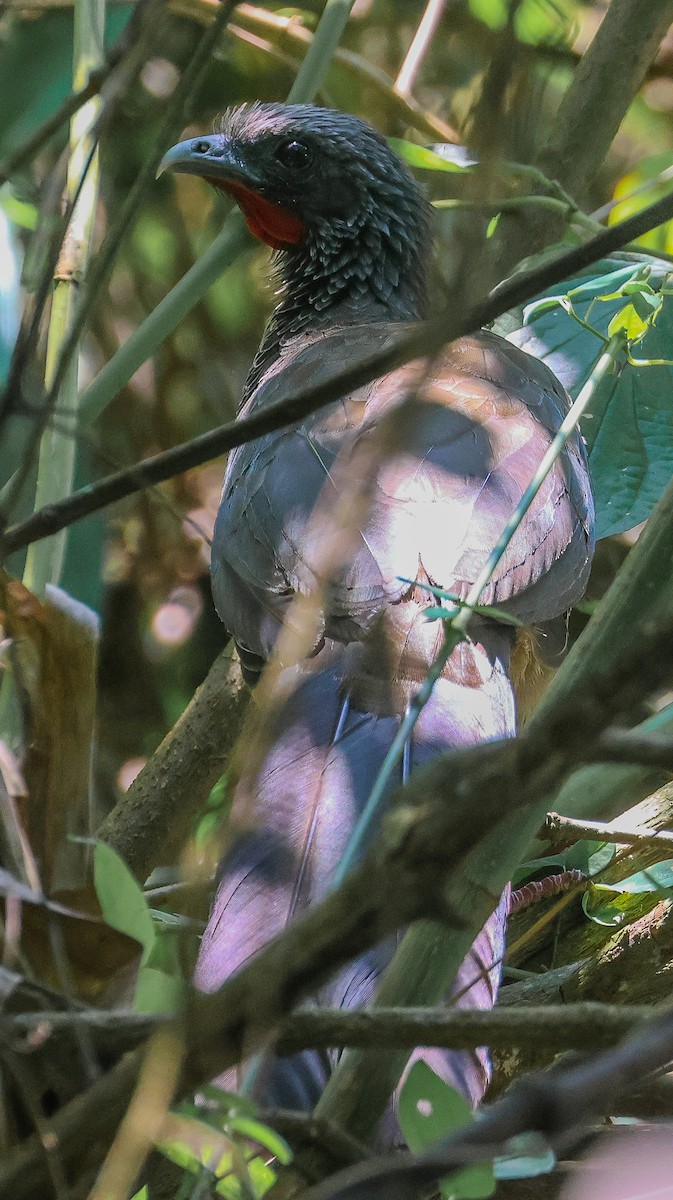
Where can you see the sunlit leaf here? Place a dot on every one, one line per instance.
(493, 13)
(588, 856)
(629, 430)
(258, 1132)
(424, 158)
(615, 905)
(628, 320)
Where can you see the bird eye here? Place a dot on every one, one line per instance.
(293, 154)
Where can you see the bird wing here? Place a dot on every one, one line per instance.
(472, 429)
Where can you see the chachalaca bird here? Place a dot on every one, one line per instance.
(352, 232)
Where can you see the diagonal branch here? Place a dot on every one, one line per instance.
(426, 339)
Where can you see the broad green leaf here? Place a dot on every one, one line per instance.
(36, 70)
(629, 430)
(121, 898)
(143, 1194)
(589, 856)
(261, 1175)
(182, 1154)
(225, 1104)
(554, 863)
(20, 212)
(544, 22)
(615, 906)
(658, 877)
(628, 320)
(536, 22)
(429, 1109)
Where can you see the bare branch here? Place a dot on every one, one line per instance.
(565, 829)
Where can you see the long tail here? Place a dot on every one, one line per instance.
(328, 745)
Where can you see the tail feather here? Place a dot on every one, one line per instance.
(305, 802)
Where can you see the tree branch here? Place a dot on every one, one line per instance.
(555, 1104)
(584, 1025)
(566, 829)
(426, 339)
(151, 821)
(606, 79)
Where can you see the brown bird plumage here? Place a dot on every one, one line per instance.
(437, 456)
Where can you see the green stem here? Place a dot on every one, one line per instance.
(313, 69)
(510, 204)
(426, 963)
(229, 243)
(56, 464)
(161, 322)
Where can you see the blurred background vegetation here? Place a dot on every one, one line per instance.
(143, 565)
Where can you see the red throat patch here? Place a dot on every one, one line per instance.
(267, 221)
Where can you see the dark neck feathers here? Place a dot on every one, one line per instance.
(372, 268)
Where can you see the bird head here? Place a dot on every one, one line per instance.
(325, 189)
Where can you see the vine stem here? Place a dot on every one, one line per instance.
(458, 617)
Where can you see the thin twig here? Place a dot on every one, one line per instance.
(420, 44)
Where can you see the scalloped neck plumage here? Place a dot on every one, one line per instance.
(374, 271)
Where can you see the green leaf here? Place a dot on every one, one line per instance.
(261, 1175)
(493, 225)
(544, 22)
(263, 1135)
(225, 1104)
(493, 13)
(121, 898)
(536, 22)
(530, 1155)
(633, 197)
(629, 430)
(143, 1194)
(618, 904)
(657, 878)
(429, 1109)
(556, 861)
(628, 320)
(20, 212)
(588, 856)
(161, 987)
(423, 158)
(181, 1154)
